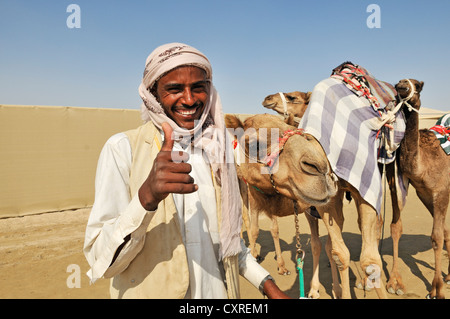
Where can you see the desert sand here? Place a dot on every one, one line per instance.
(41, 255)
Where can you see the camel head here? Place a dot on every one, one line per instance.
(409, 90)
(296, 103)
(301, 171)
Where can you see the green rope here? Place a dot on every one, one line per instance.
(300, 277)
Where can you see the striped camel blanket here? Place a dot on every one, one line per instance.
(349, 125)
(442, 132)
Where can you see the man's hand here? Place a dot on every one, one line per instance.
(167, 176)
(273, 292)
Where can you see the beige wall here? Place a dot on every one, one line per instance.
(48, 154)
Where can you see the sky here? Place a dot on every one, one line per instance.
(256, 48)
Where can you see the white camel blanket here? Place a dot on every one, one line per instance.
(343, 123)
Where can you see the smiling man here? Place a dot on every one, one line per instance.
(166, 228)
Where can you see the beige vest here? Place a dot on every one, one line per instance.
(160, 270)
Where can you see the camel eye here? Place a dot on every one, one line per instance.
(290, 98)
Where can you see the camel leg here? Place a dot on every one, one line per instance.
(395, 284)
(250, 219)
(370, 259)
(274, 230)
(316, 247)
(253, 232)
(447, 245)
(337, 289)
(437, 240)
(437, 205)
(245, 206)
(337, 251)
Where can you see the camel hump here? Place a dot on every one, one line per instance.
(232, 121)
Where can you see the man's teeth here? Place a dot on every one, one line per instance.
(186, 112)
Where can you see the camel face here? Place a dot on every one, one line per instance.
(301, 171)
(410, 90)
(296, 103)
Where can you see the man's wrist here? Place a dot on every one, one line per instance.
(261, 285)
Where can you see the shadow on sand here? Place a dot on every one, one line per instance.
(410, 245)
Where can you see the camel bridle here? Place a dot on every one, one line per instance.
(285, 108)
(270, 159)
(389, 117)
(409, 97)
(283, 99)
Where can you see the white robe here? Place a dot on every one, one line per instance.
(198, 219)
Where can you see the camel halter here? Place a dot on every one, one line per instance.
(388, 117)
(285, 108)
(283, 99)
(409, 97)
(271, 158)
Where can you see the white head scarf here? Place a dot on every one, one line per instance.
(209, 133)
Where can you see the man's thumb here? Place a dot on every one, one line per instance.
(168, 141)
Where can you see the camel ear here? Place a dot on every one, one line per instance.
(232, 121)
(308, 97)
(419, 86)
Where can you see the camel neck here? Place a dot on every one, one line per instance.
(409, 147)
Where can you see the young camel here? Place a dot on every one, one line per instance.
(422, 160)
(295, 104)
(292, 105)
(302, 174)
(329, 206)
(254, 203)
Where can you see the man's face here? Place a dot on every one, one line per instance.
(183, 93)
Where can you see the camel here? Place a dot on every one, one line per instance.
(303, 175)
(253, 205)
(294, 103)
(337, 252)
(422, 161)
(330, 210)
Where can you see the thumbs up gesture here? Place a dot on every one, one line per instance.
(167, 176)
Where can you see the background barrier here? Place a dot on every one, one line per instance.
(49, 154)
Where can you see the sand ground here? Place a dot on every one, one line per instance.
(41, 255)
